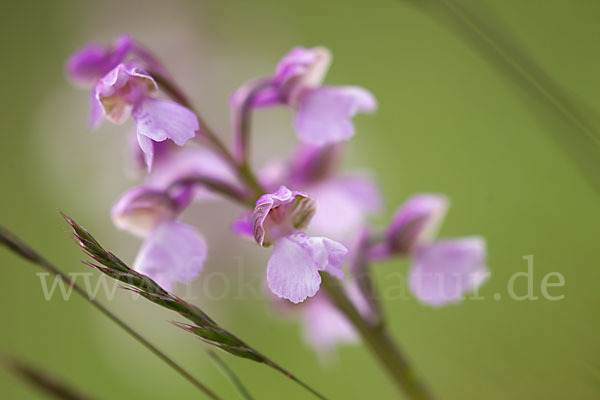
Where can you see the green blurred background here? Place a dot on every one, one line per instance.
(448, 122)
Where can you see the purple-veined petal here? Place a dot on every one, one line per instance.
(164, 119)
(324, 115)
(416, 222)
(444, 271)
(174, 251)
(292, 270)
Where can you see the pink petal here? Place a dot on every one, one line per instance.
(121, 90)
(173, 252)
(264, 97)
(243, 225)
(164, 119)
(95, 112)
(93, 61)
(147, 147)
(186, 162)
(292, 270)
(325, 327)
(444, 271)
(416, 221)
(324, 114)
(278, 213)
(343, 205)
(141, 209)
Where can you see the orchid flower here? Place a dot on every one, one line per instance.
(127, 90)
(323, 114)
(442, 271)
(293, 269)
(172, 251)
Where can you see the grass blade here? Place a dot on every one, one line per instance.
(203, 327)
(228, 372)
(15, 244)
(42, 381)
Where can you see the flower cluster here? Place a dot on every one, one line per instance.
(313, 215)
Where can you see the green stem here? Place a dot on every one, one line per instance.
(379, 342)
(235, 381)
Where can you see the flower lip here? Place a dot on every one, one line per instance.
(276, 214)
(444, 271)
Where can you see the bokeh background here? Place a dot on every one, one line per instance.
(449, 121)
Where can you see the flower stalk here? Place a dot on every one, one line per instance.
(379, 342)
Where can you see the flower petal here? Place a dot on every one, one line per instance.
(95, 117)
(173, 252)
(147, 147)
(344, 204)
(301, 69)
(180, 163)
(164, 119)
(263, 95)
(292, 270)
(93, 61)
(325, 327)
(324, 114)
(416, 222)
(276, 214)
(141, 208)
(444, 271)
(311, 164)
(243, 225)
(121, 90)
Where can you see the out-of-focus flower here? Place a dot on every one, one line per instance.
(323, 114)
(442, 271)
(325, 327)
(127, 90)
(293, 269)
(345, 200)
(188, 162)
(172, 251)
